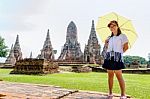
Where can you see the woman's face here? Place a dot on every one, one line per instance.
(113, 28)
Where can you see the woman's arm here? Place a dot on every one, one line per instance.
(125, 47)
(106, 43)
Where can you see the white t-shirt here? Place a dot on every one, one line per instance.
(116, 43)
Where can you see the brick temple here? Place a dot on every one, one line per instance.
(15, 54)
(92, 49)
(71, 50)
(47, 51)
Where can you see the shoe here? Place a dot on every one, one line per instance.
(110, 96)
(123, 97)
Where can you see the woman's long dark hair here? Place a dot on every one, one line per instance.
(118, 31)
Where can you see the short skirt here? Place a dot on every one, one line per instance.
(113, 65)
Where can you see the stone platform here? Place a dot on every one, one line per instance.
(9, 90)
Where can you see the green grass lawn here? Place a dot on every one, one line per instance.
(137, 85)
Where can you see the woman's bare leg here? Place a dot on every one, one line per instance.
(121, 81)
(110, 80)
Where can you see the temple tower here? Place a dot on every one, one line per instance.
(93, 48)
(71, 50)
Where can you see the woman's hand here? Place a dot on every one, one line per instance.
(106, 42)
(125, 47)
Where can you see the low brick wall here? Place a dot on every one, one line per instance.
(35, 66)
(132, 71)
(2, 64)
(81, 69)
(137, 71)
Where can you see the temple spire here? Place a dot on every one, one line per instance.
(47, 51)
(71, 33)
(92, 49)
(31, 55)
(71, 50)
(11, 58)
(17, 49)
(93, 24)
(47, 42)
(93, 32)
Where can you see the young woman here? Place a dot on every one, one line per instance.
(116, 45)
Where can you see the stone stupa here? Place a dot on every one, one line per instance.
(92, 49)
(71, 50)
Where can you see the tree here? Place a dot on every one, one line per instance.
(3, 48)
(129, 59)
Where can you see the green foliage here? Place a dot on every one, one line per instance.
(136, 84)
(3, 48)
(129, 59)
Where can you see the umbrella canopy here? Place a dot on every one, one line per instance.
(124, 24)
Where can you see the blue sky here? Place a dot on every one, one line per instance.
(31, 19)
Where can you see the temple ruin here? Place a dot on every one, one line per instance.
(71, 50)
(47, 51)
(11, 60)
(15, 54)
(35, 66)
(93, 48)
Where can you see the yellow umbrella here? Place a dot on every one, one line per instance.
(124, 24)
